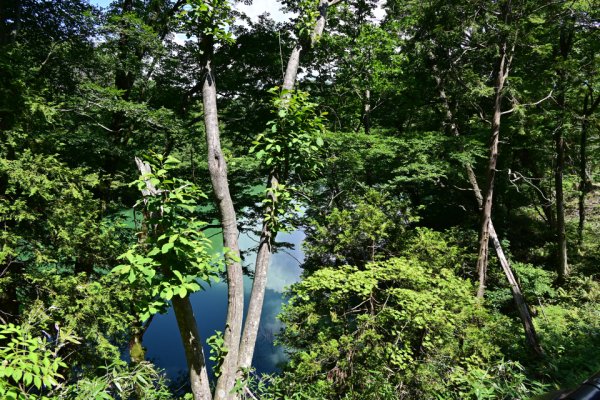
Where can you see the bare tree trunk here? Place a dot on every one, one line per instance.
(565, 44)
(263, 257)
(518, 298)
(561, 237)
(486, 212)
(192, 344)
(217, 167)
(367, 112)
(515, 289)
(584, 179)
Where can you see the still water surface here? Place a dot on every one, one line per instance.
(162, 338)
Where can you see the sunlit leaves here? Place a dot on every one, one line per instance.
(173, 255)
(30, 364)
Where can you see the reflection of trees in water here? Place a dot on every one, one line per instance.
(266, 334)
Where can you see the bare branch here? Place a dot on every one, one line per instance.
(527, 104)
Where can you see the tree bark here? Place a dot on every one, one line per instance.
(561, 236)
(589, 106)
(565, 44)
(367, 112)
(583, 181)
(517, 294)
(515, 289)
(192, 344)
(486, 210)
(217, 167)
(263, 257)
(188, 329)
(259, 284)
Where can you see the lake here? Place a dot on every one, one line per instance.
(162, 339)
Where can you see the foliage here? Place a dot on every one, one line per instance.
(396, 328)
(292, 142)
(368, 226)
(30, 365)
(49, 214)
(207, 18)
(289, 149)
(173, 255)
(379, 178)
(218, 350)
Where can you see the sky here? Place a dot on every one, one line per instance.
(257, 8)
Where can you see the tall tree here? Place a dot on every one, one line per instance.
(267, 236)
(506, 43)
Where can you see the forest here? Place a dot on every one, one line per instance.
(441, 157)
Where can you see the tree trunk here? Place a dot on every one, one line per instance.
(259, 285)
(561, 237)
(188, 329)
(584, 179)
(518, 298)
(217, 167)
(486, 209)
(565, 44)
(367, 112)
(192, 344)
(263, 257)
(515, 289)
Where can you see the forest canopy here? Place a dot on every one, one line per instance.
(441, 157)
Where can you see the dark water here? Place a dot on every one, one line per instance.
(162, 338)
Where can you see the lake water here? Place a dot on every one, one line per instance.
(162, 340)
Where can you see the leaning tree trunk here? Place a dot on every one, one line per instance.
(267, 236)
(486, 209)
(192, 344)
(186, 321)
(518, 297)
(217, 167)
(517, 294)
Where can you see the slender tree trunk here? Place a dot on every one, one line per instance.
(515, 289)
(192, 344)
(367, 112)
(589, 107)
(561, 237)
(188, 329)
(583, 181)
(259, 285)
(217, 167)
(518, 298)
(565, 44)
(486, 212)
(263, 257)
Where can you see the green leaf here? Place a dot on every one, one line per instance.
(131, 277)
(17, 375)
(166, 247)
(182, 292)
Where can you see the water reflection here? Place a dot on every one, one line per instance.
(210, 307)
